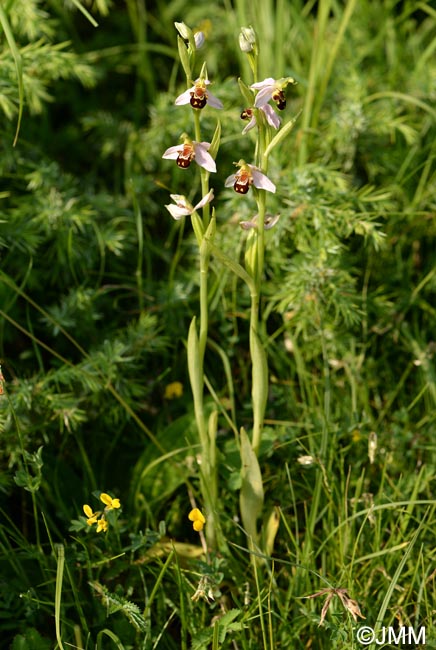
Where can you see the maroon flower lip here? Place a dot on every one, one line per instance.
(249, 175)
(191, 150)
(198, 96)
(272, 89)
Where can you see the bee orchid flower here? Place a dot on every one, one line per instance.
(190, 150)
(182, 208)
(249, 175)
(271, 117)
(198, 96)
(272, 89)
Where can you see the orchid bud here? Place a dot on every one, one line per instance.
(247, 39)
(184, 31)
(199, 39)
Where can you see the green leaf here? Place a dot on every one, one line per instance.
(246, 92)
(251, 495)
(30, 640)
(85, 12)
(281, 135)
(214, 145)
(208, 238)
(184, 57)
(111, 636)
(117, 603)
(226, 624)
(23, 477)
(197, 227)
(193, 362)
(270, 530)
(234, 266)
(259, 361)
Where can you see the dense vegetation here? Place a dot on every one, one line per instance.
(98, 290)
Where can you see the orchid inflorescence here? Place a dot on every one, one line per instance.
(198, 95)
(190, 150)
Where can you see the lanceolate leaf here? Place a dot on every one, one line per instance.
(247, 93)
(251, 495)
(214, 145)
(281, 135)
(193, 361)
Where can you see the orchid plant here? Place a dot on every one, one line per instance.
(262, 99)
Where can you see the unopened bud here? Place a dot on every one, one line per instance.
(372, 446)
(184, 31)
(247, 39)
(199, 39)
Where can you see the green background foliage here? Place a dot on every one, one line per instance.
(98, 286)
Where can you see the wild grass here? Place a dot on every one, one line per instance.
(98, 287)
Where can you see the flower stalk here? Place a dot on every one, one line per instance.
(198, 96)
(262, 115)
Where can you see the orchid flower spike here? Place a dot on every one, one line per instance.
(272, 89)
(249, 175)
(182, 208)
(198, 96)
(191, 150)
(271, 117)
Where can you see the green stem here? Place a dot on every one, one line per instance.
(204, 174)
(260, 237)
(208, 479)
(257, 351)
(204, 313)
(58, 593)
(207, 431)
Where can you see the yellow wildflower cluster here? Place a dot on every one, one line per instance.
(99, 517)
(173, 390)
(197, 518)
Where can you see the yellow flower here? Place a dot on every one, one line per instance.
(92, 516)
(197, 518)
(109, 502)
(173, 390)
(99, 518)
(102, 525)
(355, 435)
